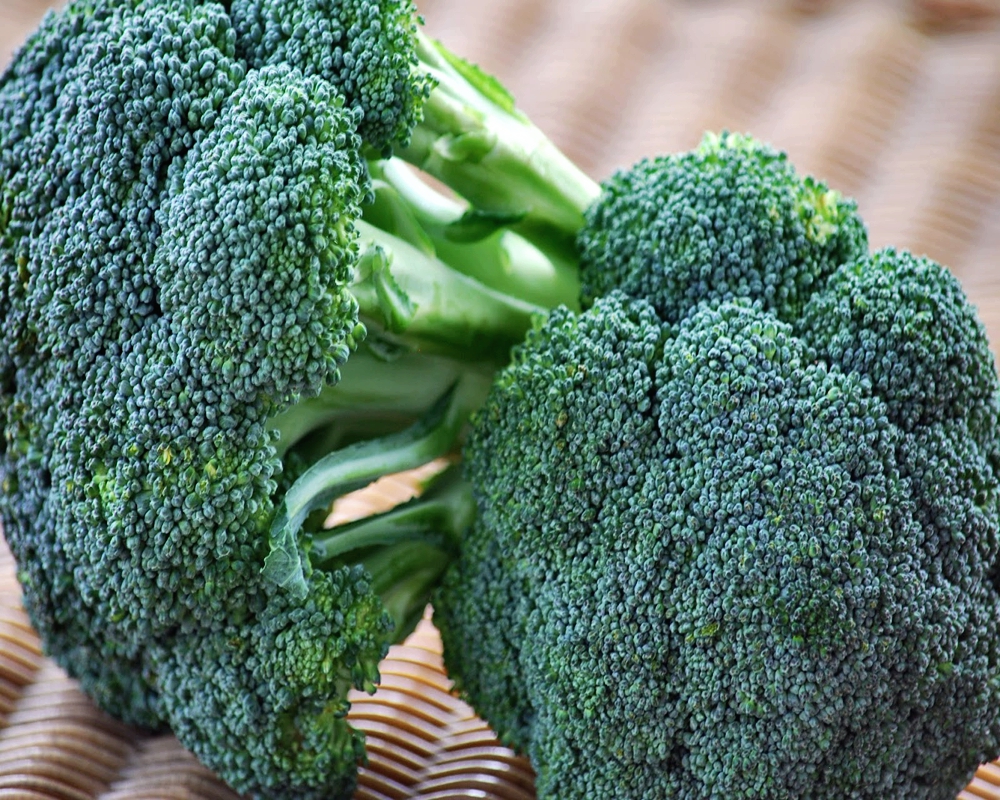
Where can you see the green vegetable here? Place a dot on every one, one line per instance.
(738, 538)
(731, 530)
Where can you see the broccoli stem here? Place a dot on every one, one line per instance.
(374, 397)
(477, 244)
(442, 296)
(354, 467)
(411, 299)
(438, 516)
(444, 292)
(405, 550)
(404, 576)
(474, 140)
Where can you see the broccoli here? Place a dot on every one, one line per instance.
(726, 558)
(737, 522)
(730, 219)
(207, 290)
(225, 303)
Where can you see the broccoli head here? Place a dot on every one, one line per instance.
(732, 555)
(730, 219)
(96, 111)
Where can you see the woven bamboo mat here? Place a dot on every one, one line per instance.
(896, 102)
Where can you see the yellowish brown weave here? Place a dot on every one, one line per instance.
(894, 101)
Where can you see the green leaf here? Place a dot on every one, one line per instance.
(374, 281)
(283, 565)
(396, 306)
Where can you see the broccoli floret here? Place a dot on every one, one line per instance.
(266, 703)
(729, 555)
(195, 315)
(729, 219)
(898, 318)
(364, 48)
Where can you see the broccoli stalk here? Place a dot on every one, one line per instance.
(407, 549)
(478, 244)
(410, 298)
(473, 138)
(374, 397)
(441, 295)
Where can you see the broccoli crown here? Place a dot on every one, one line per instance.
(267, 702)
(736, 556)
(176, 244)
(186, 283)
(365, 48)
(86, 126)
(729, 219)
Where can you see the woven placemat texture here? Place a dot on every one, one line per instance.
(896, 102)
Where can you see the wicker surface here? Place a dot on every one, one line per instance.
(895, 101)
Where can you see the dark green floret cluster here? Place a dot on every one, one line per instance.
(220, 688)
(737, 529)
(363, 48)
(730, 219)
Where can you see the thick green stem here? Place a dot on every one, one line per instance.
(477, 244)
(444, 293)
(430, 321)
(412, 300)
(354, 467)
(375, 397)
(404, 576)
(474, 140)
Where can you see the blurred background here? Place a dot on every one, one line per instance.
(895, 102)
